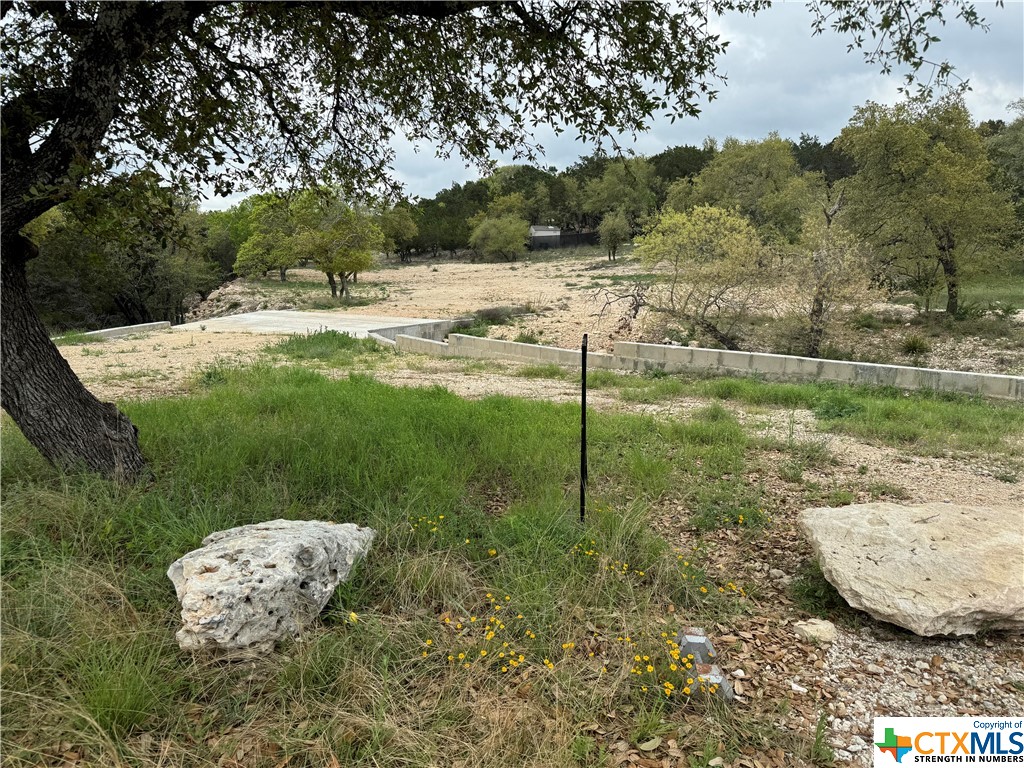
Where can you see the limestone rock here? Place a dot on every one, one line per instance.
(815, 630)
(250, 586)
(935, 569)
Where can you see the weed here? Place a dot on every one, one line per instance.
(604, 379)
(526, 338)
(471, 328)
(915, 345)
(75, 339)
(542, 371)
(792, 471)
(867, 322)
(500, 315)
(888, 490)
(837, 405)
(970, 310)
(813, 594)
(326, 345)
(840, 497)
(821, 752)
(1003, 309)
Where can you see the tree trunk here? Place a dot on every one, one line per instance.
(723, 338)
(343, 279)
(946, 243)
(949, 269)
(58, 415)
(334, 285)
(283, 271)
(817, 326)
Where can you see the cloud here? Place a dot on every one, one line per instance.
(781, 78)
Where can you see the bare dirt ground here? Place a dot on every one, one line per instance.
(566, 296)
(782, 678)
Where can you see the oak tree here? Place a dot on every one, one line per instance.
(291, 95)
(922, 195)
(614, 231)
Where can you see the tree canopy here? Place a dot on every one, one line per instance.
(923, 194)
(291, 95)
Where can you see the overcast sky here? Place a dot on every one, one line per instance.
(782, 79)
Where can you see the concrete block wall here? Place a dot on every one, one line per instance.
(790, 368)
(631, 356)
(436, 329)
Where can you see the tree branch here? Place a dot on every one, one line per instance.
(22, 115)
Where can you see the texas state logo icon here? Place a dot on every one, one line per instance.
(904, 741)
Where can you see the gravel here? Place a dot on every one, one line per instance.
(875, 672)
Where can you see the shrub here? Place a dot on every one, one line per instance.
(970, 310)
(866, 322)
(915, 345)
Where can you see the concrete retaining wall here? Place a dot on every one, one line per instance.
(630, 356)
(436, 329)
(789, 368)
(127, 330)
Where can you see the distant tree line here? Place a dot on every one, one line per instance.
(913, 197)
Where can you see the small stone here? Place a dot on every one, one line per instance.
(796, 688)
(694, 640)
(942, 698)
(840, 709)
(816, 630)
(874, 669)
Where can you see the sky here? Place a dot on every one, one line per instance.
(780, 78)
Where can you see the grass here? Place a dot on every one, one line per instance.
(543, 371)
(1002, 288)
(75, 339)
(925, 422)
(474, 505)
(328, 346)
(483, 319)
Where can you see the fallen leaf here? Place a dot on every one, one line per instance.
(650, 744)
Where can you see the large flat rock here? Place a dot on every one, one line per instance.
(935, 569)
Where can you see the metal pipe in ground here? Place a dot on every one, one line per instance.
(583, 434)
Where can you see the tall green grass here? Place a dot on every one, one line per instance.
(475, 508)
(925, 422)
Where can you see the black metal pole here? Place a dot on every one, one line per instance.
(583, 435)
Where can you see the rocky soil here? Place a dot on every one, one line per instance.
(567, 297)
